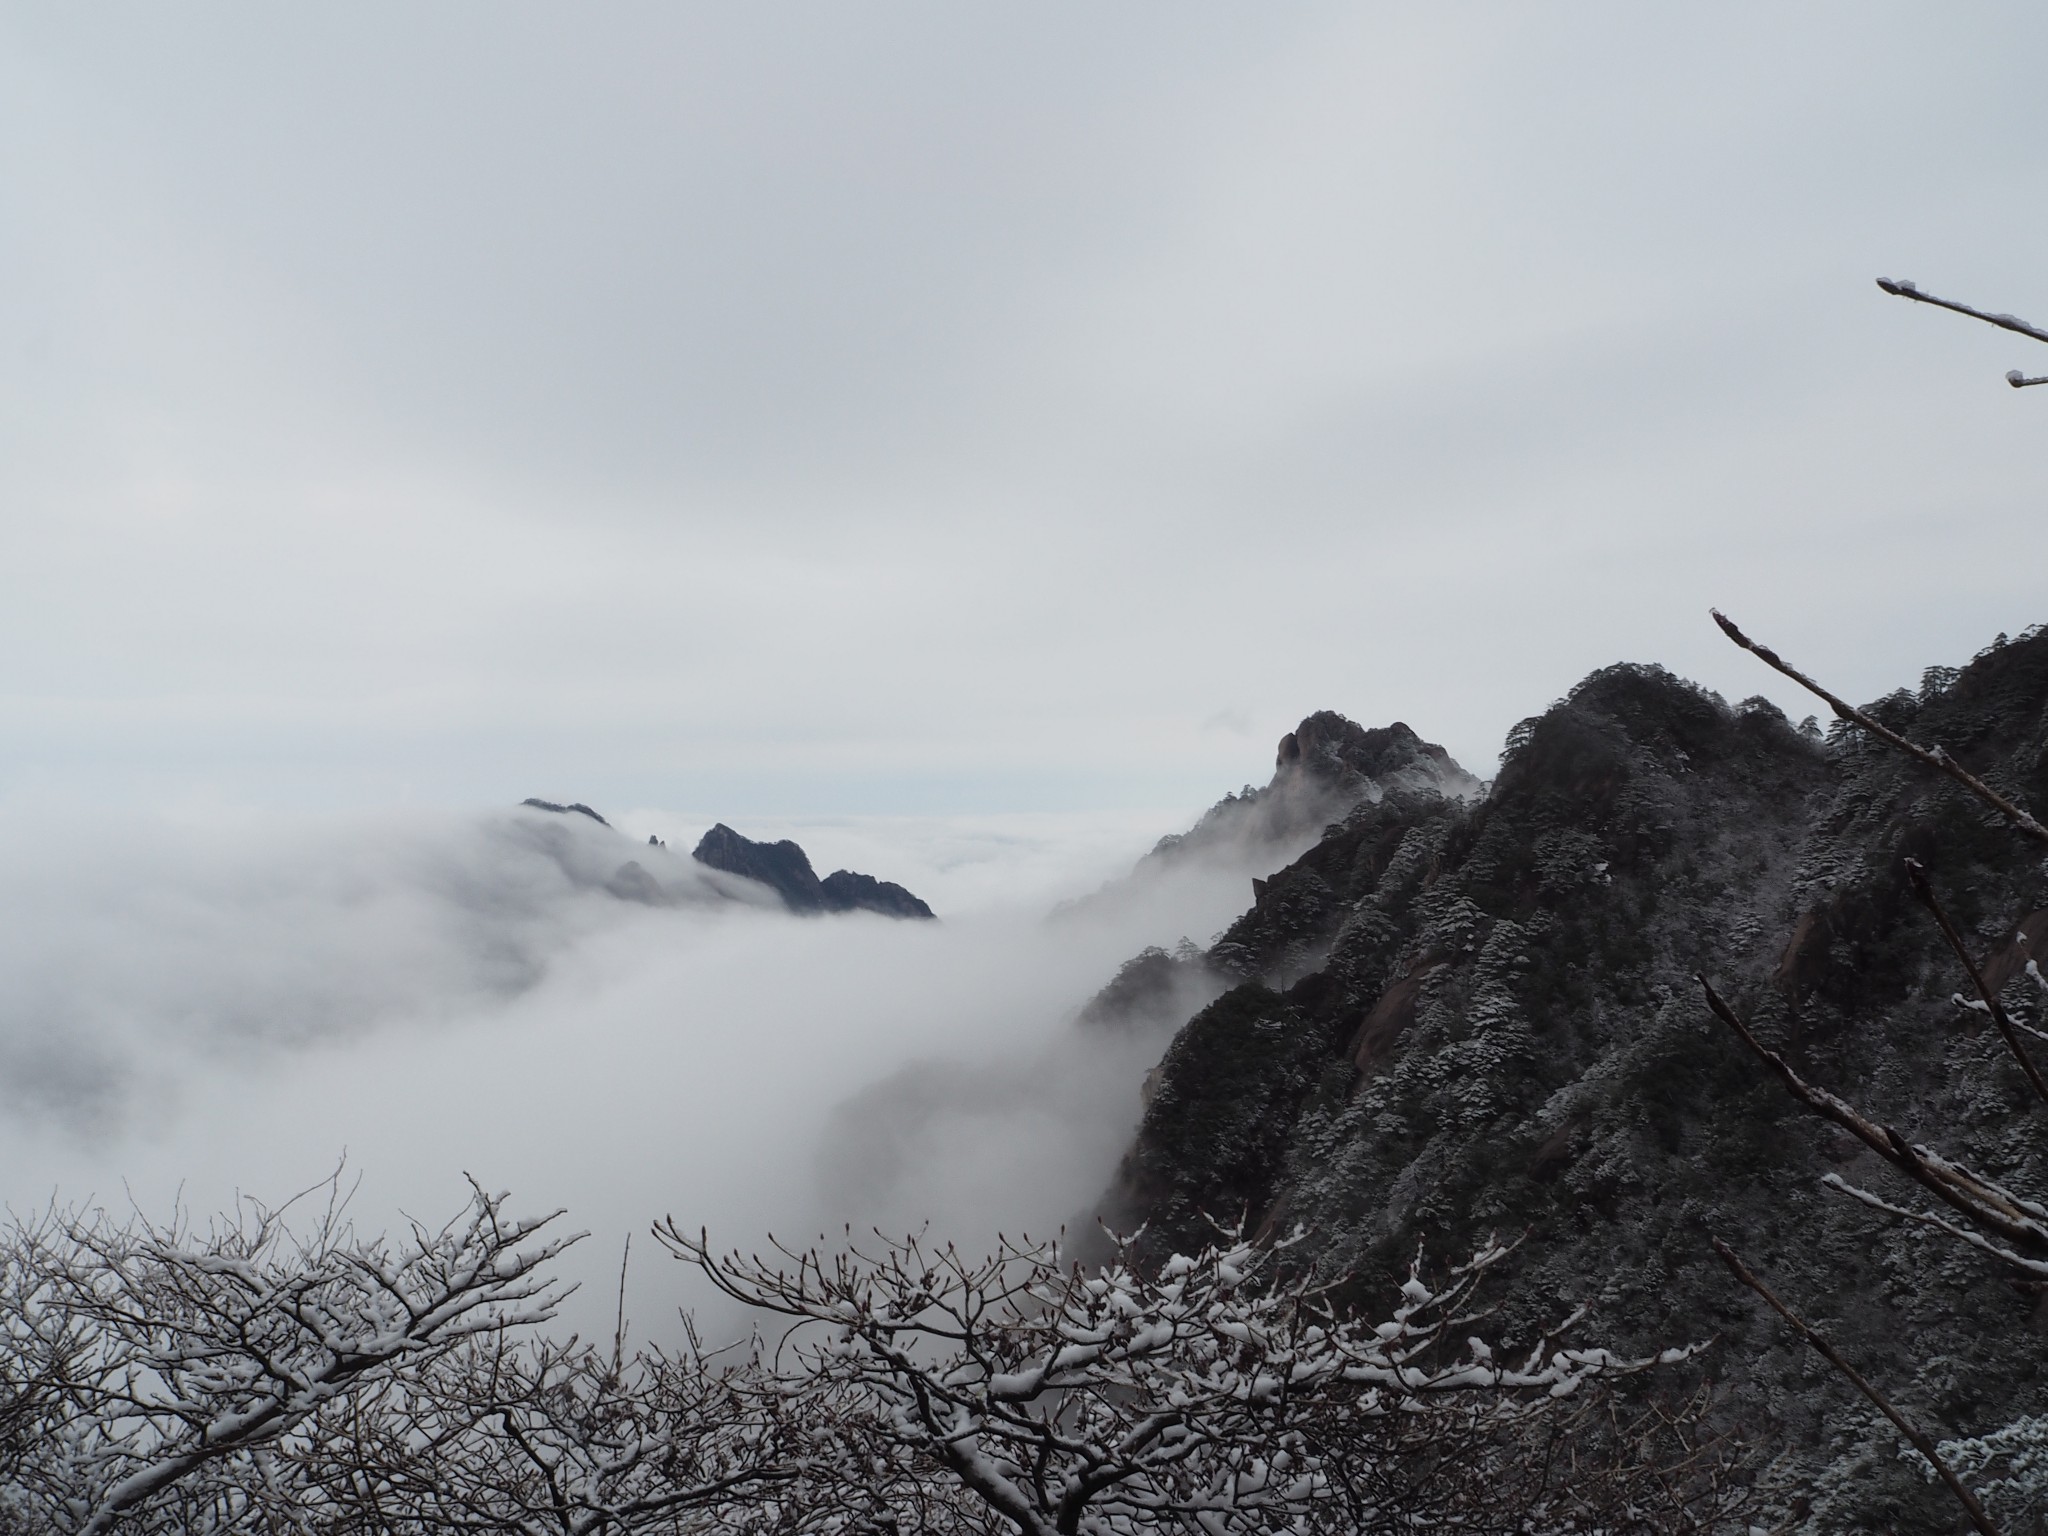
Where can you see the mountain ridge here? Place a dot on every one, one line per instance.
(1453, 1016)
(782, 867)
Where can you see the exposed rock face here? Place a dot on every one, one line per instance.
(1370, 763)
(786, 868)
(1453, 1016)
(1323, 768)
(847, 891)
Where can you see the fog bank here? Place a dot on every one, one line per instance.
(194, 1007)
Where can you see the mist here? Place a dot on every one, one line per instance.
(203, 1006)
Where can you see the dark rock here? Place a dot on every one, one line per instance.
(786, 868)
(783, 866)
(846, 891)
(1324, 768)
(1367, 763)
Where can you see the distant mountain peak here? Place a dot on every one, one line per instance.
(1355, 759)
(781, 866)
(1324, 768)
(786, 868)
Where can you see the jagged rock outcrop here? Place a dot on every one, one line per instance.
(1455, 1016)
(783, 867)
(847, 890)
(786, 868)
(1366, 764)
(1325, 768)
(1322, 769)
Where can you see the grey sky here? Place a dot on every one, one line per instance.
(807, 409)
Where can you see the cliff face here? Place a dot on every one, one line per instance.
(1450, 1017)
(786, 869)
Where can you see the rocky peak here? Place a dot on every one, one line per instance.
(1364, 763)
(786, 868)
(1323, 769)
(848, 890)
(783, 867)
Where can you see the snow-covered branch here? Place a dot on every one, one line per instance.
(531, 1436)
(2001, 1223)
(1217, 1394)
(2018, 1226)
(168, 1365)
(1918, 1438)
(1910, 290)
(168, 1382)
(1936, 758)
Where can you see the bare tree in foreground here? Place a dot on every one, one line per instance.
(532, 1436)
(1906, 289)
(1213, 1397)
(241, 1379)
(166, 1370)
(158, 1379)
(2005, 1225)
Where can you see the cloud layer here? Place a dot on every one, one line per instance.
(196, 1008)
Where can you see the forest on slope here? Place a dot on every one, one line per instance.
(1458, 1016)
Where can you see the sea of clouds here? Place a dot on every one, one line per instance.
(202, 1006)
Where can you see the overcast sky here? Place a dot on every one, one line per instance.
(914, 409)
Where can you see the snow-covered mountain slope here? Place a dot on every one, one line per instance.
(1450, 1016)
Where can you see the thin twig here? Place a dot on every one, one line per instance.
(1976, 1199)
(1813, 1336)
(1819, 1100)
(1916, 875)
(1933, 757)
(1909, 290)
(619, 1331)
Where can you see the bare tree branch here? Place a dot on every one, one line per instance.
(1916, 875)
(1933, 757)
(1212, 1394)
(2020, 1224)
(1906, 289)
